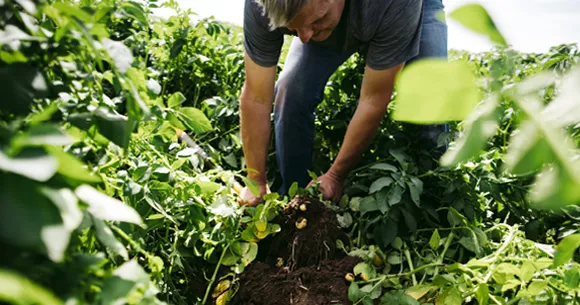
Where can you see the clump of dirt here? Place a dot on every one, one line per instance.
(301, 265)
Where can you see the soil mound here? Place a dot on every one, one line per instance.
(301, 265)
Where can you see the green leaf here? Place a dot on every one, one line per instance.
(572, 278)
(449, 296)
(33, 163)
(379, 184)
(409, 220)
(417, 292)
(536, 287)
(250, 251)
(125, 279)
(17, 289)
(66, 202)
(194, 119)
(29, 219)
(105, 207)
(71, 167)
(482, 294)
(364, 270)
(293, 190)
(450, 88)
(510, 284)
(368, 204)
(21, 83)
(527, 270)
(479, 127)
(114, 127)
(399, 298)
(554, 188)
(354, 293)
(108, 239)
(394, 258)
(252, 186)
(175, 100)
(395, 194)
(565, 249)
(44, 134)
(416, 189)
(384, 167)
(528, 151)
(385, 232)
(435, 240)
(475, 17)
(564, 110)
(120, 53)
(354, 204)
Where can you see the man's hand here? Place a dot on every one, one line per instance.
(249, 199)
(331, 186)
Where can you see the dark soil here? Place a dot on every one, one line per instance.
(313, 269)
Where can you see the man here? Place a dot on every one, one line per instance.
(391, 33)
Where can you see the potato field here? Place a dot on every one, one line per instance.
(102, 201)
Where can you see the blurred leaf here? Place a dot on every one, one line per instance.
(536, 287)
(252, 186)
(475, 17)
(450, 89)
(33, 163)
(564, 110)
(572, 278)
(41, 230)
(17, 289)
(73, 168)
(105, 207)
(120, 53)
(528, 151)
(554, 189)
(19, 84)
(117, 288)
(72, 11)
(108, 239)
(479, 127)
(250, 251)
(566, 248)
(44, 134)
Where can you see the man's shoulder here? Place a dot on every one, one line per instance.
(368, 16)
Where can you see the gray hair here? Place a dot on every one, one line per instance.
(280, 12)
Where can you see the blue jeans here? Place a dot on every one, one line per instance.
(300, 89)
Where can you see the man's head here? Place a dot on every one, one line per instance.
(310, 19)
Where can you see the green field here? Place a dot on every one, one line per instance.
(101, 203)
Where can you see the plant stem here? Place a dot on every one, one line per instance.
(215, 272)
(418, 269)
(130, 240)
(445, 248)
(499, 251)
(410, 262)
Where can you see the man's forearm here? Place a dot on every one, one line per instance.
(360, 132)
(255, 133)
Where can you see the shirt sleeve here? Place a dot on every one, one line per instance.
(262, 45)
(397, 37)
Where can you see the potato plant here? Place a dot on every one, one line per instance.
(102, 203)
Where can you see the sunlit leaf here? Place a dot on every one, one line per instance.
(114, 127)
(105, 207)
(17, 289)
(476, 18)
(554, 189)
(126, 278)
(120, 53)
(435, 91)
(564, 110)
(479, 127)
(528, 151)
(33, 163)
(194, 119)
(566, 248)
(482, 294)
(72, 167)
(175, 100)
(44, 134)
(107, 238)
(449, 296)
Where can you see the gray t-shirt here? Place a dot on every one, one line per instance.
(387, 31)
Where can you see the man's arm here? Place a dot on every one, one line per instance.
(255, 109)
(376, 91)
